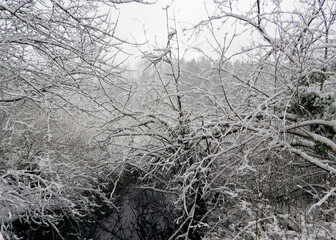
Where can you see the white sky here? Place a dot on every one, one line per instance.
(135, 18)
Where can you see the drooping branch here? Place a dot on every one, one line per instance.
(310, 159)
(331, 123)
(321, 201)
(315, 137)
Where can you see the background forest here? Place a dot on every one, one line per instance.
(227, 144)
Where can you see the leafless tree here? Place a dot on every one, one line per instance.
(59, 61)
(254, 129)
(242, 147)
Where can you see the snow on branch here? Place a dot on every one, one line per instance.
(322, 201)
(4, 6)
(311, 159)
(331, 123)
(316, 137)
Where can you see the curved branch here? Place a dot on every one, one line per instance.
(315, 137)
(311, 159)
(331, 123)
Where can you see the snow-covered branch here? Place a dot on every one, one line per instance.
(321, 201)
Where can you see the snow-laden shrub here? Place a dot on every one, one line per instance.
(50, 180)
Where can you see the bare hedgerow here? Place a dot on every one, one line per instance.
(57, 60)
(230, 145)
(237, 140)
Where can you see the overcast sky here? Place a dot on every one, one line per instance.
(135, 18)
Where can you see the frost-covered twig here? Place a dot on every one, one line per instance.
(321, 201)
(311, 159)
